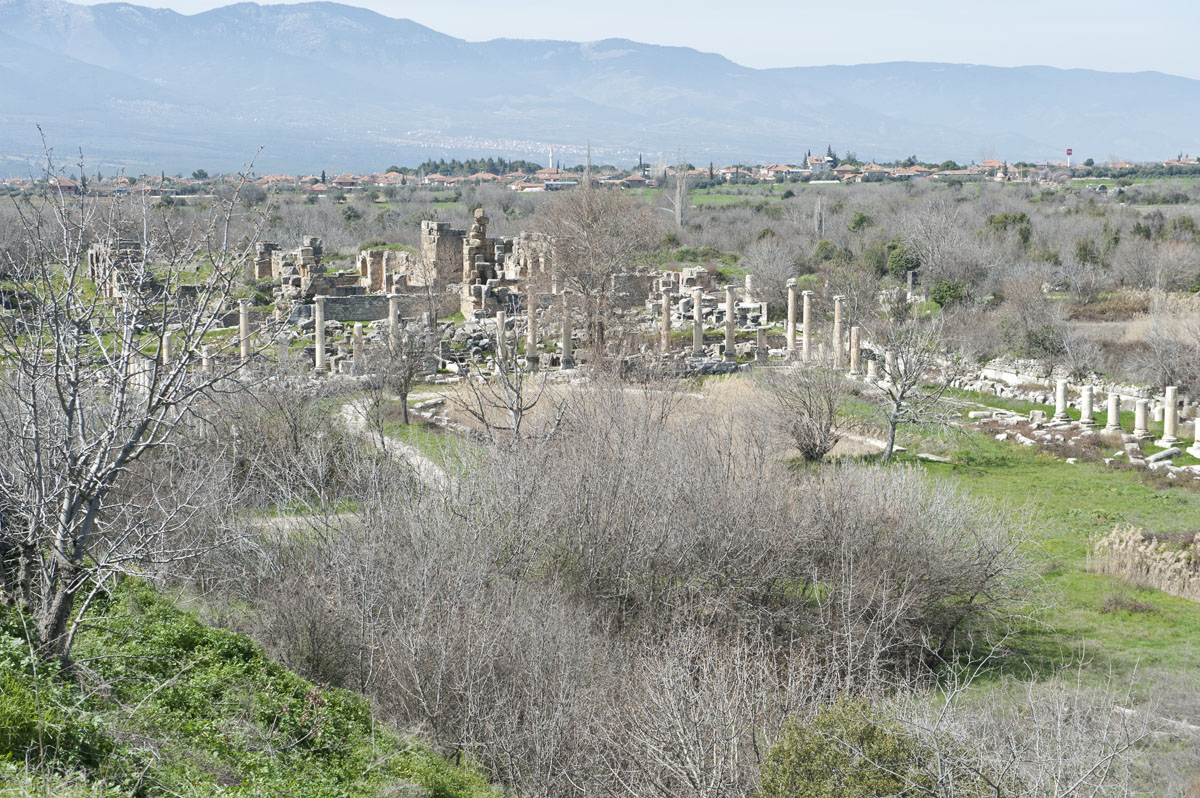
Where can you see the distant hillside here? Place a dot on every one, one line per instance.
(322, 85)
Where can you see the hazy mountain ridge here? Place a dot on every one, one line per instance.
(157, 88)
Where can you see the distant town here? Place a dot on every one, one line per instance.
(525, 176)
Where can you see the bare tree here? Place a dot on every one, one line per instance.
(678, 197)
(917, 372)
(809, 401)
(87, 389)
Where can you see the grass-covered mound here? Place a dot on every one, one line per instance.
(166, 705)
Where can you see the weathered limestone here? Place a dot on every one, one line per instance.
(168, 353)
(855, 353)
(359, 362)
(697, 323)
(319, 319)
(791, 318)
(1060, 401)
(836, 339)
(568, 353)
(206, 362)
(531, 335)
(1087, 416)
(244, 328)
(730, 350)
(282, 342)
(1170, 419)
(1113, 421)
(1141, 420)
(872, 370)
(889, 367)
(501, 336)
(760, 345)
(806, 341)
(394, 318)
(666, 322)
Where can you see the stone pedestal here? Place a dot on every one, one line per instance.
(319, 320)
(697, 322)
(791, 318)
(872, 370)
(1141, 420)
(1060, 401)
(1170, 419)
(730, 315)
(1086, 413)
(806, 330)
(1113, 420)
(855, 353)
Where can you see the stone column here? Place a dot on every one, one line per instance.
(394, 318)
(791, 318)
(806, 331)
(244, 328)
(889, 366)
(855, 353)
(167, 348)
(568, 353)
(730, 347)
(1141, 419)
(837, 331)
(531, 334)
(283, 350)
(1086, 414)
(697, 323)
(1060, 401)
(911, 274)
(666, 323)
(760, 345)
(501, 334)
(872, 370)
(1170, 419)
(206, 364)
(319, 329)
(359, 365)
(1113, 420)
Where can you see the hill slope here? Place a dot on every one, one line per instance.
(322, 84)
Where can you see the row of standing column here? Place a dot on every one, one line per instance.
(1141, 413)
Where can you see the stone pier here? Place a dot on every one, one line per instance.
(1060, 401)
(394, 319)
(1170, 419)
(319, 320)
(501, 337)
(697, 322)
(666, 322)
(568, 353)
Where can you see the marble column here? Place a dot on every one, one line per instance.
(666, 323)
(760, 345)
(1170, 419)
(319, 329)
(357, 349)
(1086, 413)
(1141, 419)
(791, 318)
(837, 331)
(872, 370)
(501, 336)
(244, 329)
(806, 330)
(1060, 401)
(206, 363)
(1113, 420)
(855, 353)
(168, 353)
(531, 335)
(697, 322)
(393, 319)
(568, 352)
(730, 314)
(889, 367)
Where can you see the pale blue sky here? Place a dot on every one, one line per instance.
(1112, 35)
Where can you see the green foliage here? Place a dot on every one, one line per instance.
(860, 221)
(825, 251)
(902, 260)
(948, 292)
(200, 174)
(1003, 222)
(351, 214)
(846, 751)
(199, 710)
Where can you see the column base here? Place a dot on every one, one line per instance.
(1062, 417)
(1166, 443)
(567, 362)
(1194, 449)
(1142, 435)
(1112, 428)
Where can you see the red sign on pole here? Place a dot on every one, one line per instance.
(1069, 152)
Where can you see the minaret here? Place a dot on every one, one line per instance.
(551, 165)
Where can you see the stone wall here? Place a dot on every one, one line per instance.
(442, 249)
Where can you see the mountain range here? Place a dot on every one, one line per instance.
(329, 86)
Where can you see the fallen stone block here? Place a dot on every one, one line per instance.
(1165, 454)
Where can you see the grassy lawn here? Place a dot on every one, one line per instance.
(1074, 615)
